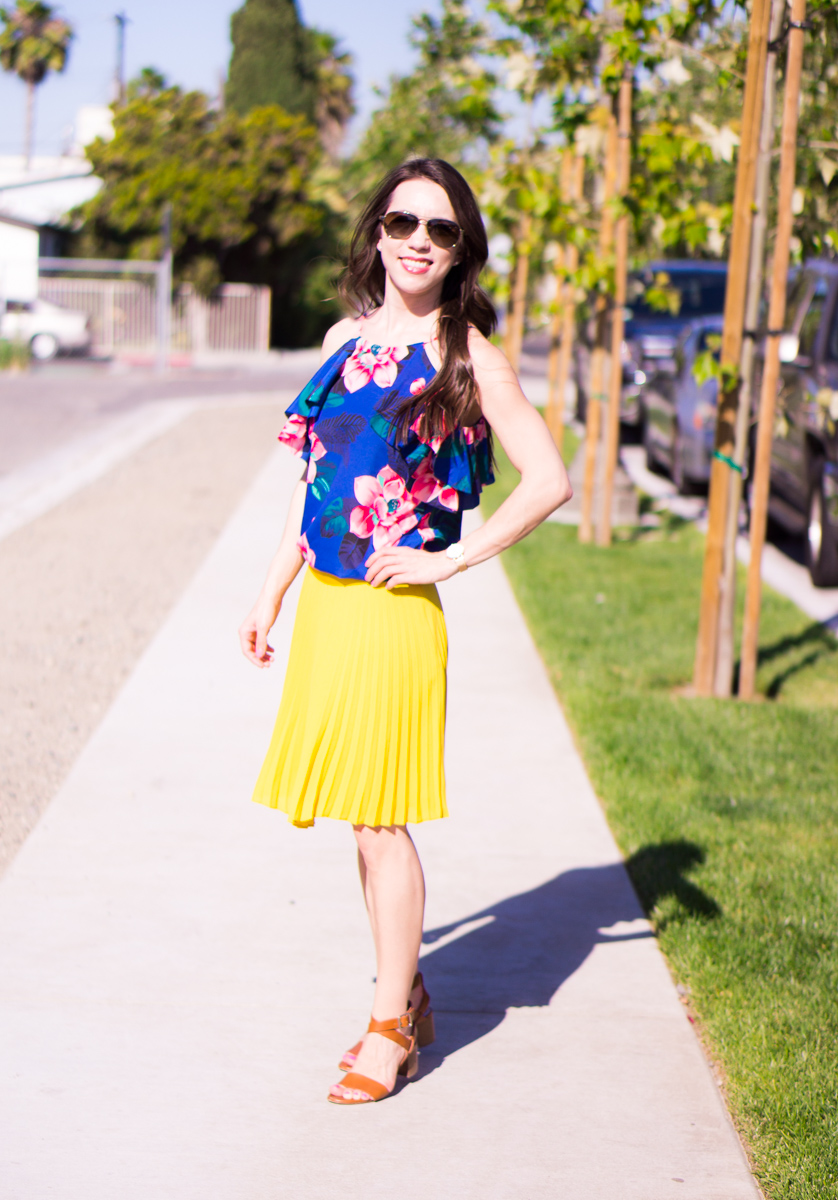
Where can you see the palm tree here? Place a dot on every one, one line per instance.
(33, 42)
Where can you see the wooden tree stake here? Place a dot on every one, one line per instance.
(771, 373)
(615, 383)
(737, 278)
(596, 388)
(723, 683)
(554, 412)
(518, 298)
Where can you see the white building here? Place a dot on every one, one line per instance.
(19, 242)
(54, 185)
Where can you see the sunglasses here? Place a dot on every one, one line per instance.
(401, 225)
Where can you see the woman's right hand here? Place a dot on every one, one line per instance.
(254, 630)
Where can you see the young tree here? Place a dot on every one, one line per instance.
(33, 42)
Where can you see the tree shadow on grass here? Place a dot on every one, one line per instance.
(518, 953)
(817, 635)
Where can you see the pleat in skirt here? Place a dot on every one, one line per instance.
(361, 725)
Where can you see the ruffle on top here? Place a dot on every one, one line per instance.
(460, 461)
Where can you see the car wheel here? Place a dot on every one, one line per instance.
(652, 463)
(680, 478)
(821, 537)
(44, 346)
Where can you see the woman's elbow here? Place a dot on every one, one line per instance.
(559, 492)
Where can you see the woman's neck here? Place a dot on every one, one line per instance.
(402, 319)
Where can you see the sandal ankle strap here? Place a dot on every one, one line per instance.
(393, 1030)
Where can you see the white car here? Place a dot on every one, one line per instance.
(47, 328)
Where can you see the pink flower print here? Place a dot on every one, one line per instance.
(426, 530)
(294, 434)
(474, 433)
(376, 363)
(418, 386)
(305, 550)
(433, 442)
(385, 510)
(426, 487)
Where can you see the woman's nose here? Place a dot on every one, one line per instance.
(419, 239)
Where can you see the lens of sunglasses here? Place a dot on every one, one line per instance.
(442, 233)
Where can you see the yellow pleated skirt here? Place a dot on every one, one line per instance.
(361, 725)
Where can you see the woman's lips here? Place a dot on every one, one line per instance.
(416, 266)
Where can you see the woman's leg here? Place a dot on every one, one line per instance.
(394, 891)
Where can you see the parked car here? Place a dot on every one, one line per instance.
(679, 414)
(47, 328)
(695, 288)
(804, 454)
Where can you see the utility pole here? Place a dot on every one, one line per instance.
(615, 383)
(737, 278)
(723, 685)
(596, 389)
(771, 372)
(121, 20)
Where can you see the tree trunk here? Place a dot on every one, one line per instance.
(771, 373)
(30, 123)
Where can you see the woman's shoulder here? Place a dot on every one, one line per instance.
(484, 355)
(339, 334)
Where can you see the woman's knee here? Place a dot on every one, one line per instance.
(382, 843)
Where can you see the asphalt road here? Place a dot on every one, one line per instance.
(57, 403)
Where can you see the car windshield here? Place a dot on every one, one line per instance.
(656, 293)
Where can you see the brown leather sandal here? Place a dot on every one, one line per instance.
(360, 1089)
(423, 1021)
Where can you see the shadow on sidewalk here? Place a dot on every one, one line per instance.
(521, 952)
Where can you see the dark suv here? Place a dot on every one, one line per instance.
(804, 453)
(695, 289)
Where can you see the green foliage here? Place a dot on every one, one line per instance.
(271, 61)
(816, 226)
(442, 109)
(727, 814)
(277, 60)
(33, 41)
(14, 355)
(240, 190)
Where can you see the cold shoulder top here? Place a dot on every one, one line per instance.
(366, 488)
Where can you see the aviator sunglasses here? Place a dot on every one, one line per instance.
(401, 225)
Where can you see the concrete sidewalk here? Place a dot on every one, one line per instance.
(182, 969)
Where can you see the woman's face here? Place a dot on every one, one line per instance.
(415, 265)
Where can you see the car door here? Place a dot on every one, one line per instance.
(798, 389)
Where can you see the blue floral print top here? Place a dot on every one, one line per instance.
(366, 488)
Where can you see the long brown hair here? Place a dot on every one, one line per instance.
(453, 390)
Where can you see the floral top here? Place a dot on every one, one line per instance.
(366, 488)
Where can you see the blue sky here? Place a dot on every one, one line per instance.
(189, 42)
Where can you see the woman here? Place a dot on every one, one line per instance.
(394, 428)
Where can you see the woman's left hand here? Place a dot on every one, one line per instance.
(400, 564)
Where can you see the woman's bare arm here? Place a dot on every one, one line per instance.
(254, 630)
(543, 487)
(527, 441)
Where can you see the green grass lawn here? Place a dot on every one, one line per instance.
(727, 814)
